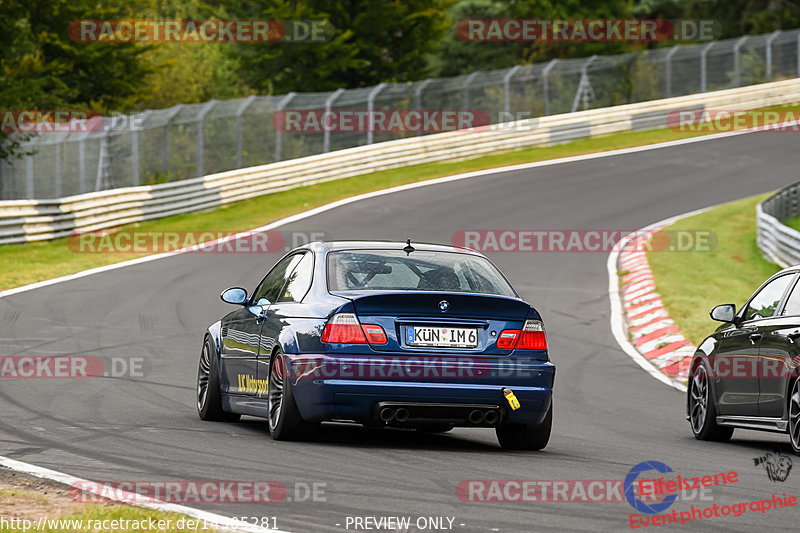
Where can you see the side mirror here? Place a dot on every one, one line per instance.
(724, 313)
(234, 295)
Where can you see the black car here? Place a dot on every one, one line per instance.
(745, 375)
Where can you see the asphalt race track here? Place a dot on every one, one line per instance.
(609, 414)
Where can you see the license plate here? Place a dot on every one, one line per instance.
(442, 337)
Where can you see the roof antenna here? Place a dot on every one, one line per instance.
(408, 249)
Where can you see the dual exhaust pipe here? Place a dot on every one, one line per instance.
(475, 417)
(400, 415)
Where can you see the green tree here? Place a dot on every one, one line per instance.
(459, 56)
(187, 72)
(371, 42)
(736, 17)
(42, 68)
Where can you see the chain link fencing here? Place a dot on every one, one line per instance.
(192, 140)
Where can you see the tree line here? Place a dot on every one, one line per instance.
(368, 42)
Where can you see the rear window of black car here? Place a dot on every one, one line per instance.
(394, 270)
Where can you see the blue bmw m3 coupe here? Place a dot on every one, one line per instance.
(420, 336)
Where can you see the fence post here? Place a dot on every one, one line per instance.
(239, 136)
(545, 85)
(424, 83)
(668, 71)
(465, 89)
(101, 179)
(165, 142)
(200, 129)
(703, 66)
(737, 67)
(278, 133)
(370, 106)
(507, 90)
(58, 179)
(135, 161)
(798, 55)
(326, 137)
(82, 164)
(584, 87)
(772, 37)
(29, 190)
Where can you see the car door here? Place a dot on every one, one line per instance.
(288, 303)
(241, 334)
(737, 354)
(779, 355)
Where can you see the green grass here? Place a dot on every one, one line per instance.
(793, 223)
(691, 283)
(32, 262)
(93, 515)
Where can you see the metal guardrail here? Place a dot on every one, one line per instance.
(31, 220)
(778, 242)
(193, 140)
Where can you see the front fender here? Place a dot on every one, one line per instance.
(704, 354)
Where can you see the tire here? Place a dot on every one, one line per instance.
(209, 399)
(284, 420)
(702, 410)
(794, 415)
(526, 436)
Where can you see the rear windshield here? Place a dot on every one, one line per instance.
(394, 270)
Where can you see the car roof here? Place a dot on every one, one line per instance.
(333, 246)
(793, 268)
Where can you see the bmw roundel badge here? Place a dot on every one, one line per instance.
(444, 305)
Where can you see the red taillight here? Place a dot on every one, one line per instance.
(374, 333)
(344, 328)
(507, 339)
(531, 337)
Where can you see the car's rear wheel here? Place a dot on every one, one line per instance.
(794, 416)
(285, 422)
(526, 436)
(702, 410)
(209, 399)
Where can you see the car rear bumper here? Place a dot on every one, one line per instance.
(347, 388)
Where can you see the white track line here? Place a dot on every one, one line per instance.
(214, 521)
(613, 286)
(374, 194)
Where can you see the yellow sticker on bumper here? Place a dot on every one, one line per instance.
(512, 399)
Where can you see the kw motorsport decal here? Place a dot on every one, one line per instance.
(248, 383)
